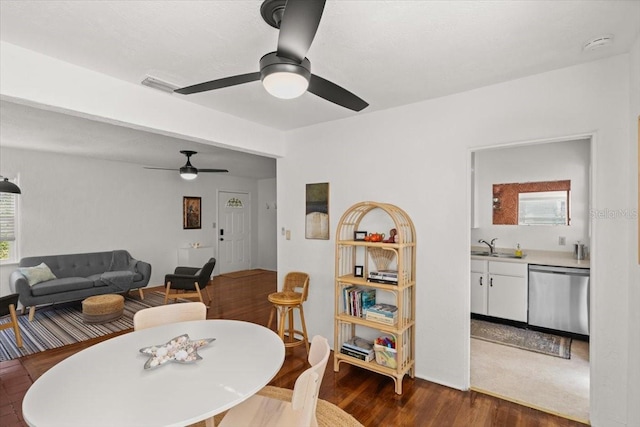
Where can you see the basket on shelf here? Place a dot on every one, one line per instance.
(382, 257)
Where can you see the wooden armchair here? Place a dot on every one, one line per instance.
(8, 306)
(188, 282)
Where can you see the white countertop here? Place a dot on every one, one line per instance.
(555, 258)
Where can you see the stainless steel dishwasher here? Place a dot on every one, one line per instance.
(559, 298)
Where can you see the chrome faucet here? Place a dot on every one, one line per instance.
(492, 245)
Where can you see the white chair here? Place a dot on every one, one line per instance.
(300, 412)
(172, 313)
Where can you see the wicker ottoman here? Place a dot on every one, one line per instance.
(102, 308)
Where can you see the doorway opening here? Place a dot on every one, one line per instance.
(547, 383)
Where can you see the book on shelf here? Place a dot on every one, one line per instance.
(386, 310)
(374, 317)
(357, 354)
(359, 344)
(357, 300)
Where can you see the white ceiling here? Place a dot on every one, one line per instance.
(389, 53)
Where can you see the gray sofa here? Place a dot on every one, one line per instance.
(78, 276)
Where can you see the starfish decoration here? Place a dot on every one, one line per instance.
(180, 349)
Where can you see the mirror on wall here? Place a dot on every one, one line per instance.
(532, 203)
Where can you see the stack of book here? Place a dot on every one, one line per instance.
(359, 348)
(357, 300)
(383, 313)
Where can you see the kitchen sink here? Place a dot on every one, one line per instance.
(496, 255)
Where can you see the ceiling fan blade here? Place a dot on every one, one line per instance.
(162, 169)
(219, 83)
(336, 94)
(212, 170)
(298, 27)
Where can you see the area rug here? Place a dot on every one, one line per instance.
(61, 324)
(243, 273)
(539, 342)
(328, 414)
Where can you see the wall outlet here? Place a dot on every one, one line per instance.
(562, 240)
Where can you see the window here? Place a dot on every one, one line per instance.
(543, 208)
(8, 227)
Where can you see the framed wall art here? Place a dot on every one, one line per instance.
(191, 213)
(317, 211)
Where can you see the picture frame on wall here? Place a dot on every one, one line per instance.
(317, 211)
(191, 213)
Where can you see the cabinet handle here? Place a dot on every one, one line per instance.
(491, 281)
(480, 280)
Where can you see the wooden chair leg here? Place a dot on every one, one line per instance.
(292, 331)
(32, 312)
(166, 292)
(199, 293)
(16, 325)
(141, 293)
(206, 289)
(271, 316)
(304, 329)
(283, 314)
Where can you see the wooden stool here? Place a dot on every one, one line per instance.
(287, 301)
(102, 308)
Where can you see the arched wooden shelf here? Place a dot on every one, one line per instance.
(401, 253)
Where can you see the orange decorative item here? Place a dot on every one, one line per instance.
(376, 237)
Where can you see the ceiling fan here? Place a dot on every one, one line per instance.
(188, 171)
(286, 73)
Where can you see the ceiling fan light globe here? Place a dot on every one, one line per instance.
(188, 172)
(285, 85)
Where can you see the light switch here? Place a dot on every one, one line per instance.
(288, 234)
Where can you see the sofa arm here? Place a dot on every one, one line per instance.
(20, 285)
(143, 268)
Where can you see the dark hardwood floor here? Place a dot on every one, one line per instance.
(367, 396)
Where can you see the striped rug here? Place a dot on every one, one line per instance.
(61, 324)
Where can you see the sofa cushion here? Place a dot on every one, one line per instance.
(65, 284)
(37, 274)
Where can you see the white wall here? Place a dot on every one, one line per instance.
(633, 395)
(72, 204)
(566, 160)
(267, 232)
(417, 157)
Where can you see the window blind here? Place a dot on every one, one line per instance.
(7, 217)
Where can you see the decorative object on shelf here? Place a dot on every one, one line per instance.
(317, 211)
(374, 237)
(191, 213)
(358, 271)
(393, 236)
(382, 257)
(180, 349)
(360, 236)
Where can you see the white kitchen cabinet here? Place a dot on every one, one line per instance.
(479, 285)
(499, 289)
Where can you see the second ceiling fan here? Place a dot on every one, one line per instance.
(188, 171)
(286, 73)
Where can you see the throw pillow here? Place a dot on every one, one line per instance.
(37, 274)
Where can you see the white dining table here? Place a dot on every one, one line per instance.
(107, 385)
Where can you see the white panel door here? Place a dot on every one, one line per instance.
(234, 231)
